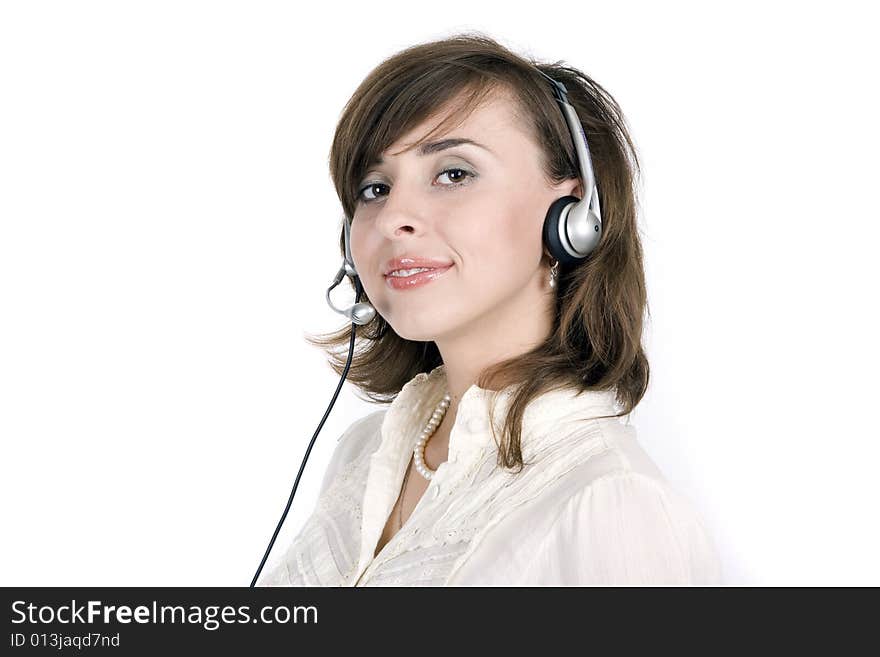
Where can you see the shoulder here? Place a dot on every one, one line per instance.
(628, 527)
(636, 525)
(360, 437)
(611, 519)
(362, 431)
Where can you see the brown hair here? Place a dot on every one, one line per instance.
(596, 340)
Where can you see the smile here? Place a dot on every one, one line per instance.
(415, 280)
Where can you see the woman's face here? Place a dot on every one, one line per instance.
(480, 209)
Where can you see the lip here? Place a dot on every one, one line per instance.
(416, 280)
(412, 261)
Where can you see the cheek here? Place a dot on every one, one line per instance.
(359, 249)
(509, 233)
(491, 256)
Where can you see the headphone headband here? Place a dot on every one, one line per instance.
(581, 147)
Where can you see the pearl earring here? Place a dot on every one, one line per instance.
(554, 273)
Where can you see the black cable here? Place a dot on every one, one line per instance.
(358, 290)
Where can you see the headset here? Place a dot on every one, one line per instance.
(572, 230)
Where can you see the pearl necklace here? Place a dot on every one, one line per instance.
(419, 450)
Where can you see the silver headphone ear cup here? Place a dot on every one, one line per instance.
(560, 207)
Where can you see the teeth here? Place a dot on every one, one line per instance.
(408, 272)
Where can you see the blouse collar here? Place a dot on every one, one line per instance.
(543, 419)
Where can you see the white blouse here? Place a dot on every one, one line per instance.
(590, 507)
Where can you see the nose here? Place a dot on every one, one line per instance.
(398, 215)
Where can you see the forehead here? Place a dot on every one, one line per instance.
(494, 124)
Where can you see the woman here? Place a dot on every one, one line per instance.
(503, 458)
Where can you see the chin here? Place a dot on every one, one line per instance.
(415, 335)
(422, 329)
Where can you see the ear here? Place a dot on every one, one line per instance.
(570, 187)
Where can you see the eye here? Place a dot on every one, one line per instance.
(369, 187)
(462, 175)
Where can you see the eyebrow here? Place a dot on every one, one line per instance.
(437, 146)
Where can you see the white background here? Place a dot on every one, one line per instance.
(168, 230)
